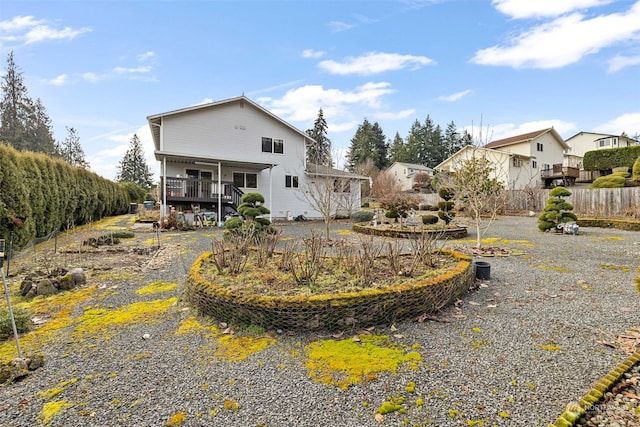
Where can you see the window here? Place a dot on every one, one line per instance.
(272, 145)
(605, 142)
(291, 181)
(267, 145)
(546, 167)
(539, 146)
(341, 186)
(517, 162)
(245, 180)
(534, 164)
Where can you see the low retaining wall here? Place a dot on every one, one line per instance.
(329, 312)
(406, 233)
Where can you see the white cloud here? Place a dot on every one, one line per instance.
(146, 56)
(519, 9)
(338, 26)
(455, 96)
(28, 30)
(617, 63)
(93, 77)
(628, 123)
(59, 81)
(564, 40)
(342, 109)
(394, 115)
(135, 70)
(310, 53)
(374, 63)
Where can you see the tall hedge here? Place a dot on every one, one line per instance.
(40, 194)
(607, 159)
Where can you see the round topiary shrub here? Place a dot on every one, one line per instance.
(362, 216)
(233, 223)
(429, 219)
(557, 210)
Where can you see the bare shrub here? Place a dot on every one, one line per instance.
(305, 266)
(367, 256)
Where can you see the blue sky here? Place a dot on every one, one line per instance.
(513, 66)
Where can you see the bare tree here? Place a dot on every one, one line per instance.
(478, 183)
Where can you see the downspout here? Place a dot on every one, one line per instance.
(219, 194)
(270, 194)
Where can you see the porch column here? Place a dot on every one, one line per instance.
(219, 194)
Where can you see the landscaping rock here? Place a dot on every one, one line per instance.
(46, 287)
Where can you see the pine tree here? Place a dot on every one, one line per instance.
(379, 147)
(398, 150)
(71, 151)
(319, 152)
(414, 144)
(133, 166)
(24, 124)
(14, 107)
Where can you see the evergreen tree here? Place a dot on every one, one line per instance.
(398, 150)
(24, 124)
(14, 107)
(379, 147)
(319, 152)
(360, 149)
(414, 144)
(71, 151)
(133, 166)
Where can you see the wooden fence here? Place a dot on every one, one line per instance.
(600, 203)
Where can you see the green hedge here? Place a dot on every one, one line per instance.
(610, 158)
(40, 194)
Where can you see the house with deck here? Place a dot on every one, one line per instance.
(582, 142)
(211, 154)
(525, 160)
(405, 173)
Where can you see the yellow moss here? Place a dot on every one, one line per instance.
(615, 267)
(453, 413)
(550, 347)
(346, 362)
(157, 287)
(552, 268)
(58, 308)
(236, 348)
(231, 405)
(504, 415)
(189, 325)
(176, 419)
(477, 330)
(94, 321)
(411, 387)
(50, 393)
(51, 409)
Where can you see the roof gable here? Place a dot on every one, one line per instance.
(155, 120)
(526, 137)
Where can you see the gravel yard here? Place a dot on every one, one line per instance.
(515, 351)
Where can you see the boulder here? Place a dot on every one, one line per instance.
(79, 277)
(45, 287)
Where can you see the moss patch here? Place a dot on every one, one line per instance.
(96, 321)
(156, 287)
(346, 362)
(51, 409)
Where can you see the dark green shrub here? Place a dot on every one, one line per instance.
(362, 216)
(635, 171)
(614, 180)
(429, 219)
(22, 318)
(557, 210)
(611, 158)
(365, 205)
(233, 223)
(445, 208)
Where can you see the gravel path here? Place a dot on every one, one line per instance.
(513, 352)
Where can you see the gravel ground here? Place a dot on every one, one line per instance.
(513, 352)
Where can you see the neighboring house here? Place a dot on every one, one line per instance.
(582, 142)
(530, 159)
(211, 154)
(405, 173)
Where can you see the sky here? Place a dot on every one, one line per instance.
(498, 68)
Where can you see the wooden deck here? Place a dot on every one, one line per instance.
(559, 175)
(188, 191)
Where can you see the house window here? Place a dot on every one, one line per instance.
(539, 146)
(272, 145)
(245, 180)
(605, 143)
(291, 181)
(517, 162)
(546, 167)
(534, 164)
(341, 186)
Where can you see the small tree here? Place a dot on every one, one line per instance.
(445, 207)
(252, 207)
(557, 210)
(71, 151)
(133, 166)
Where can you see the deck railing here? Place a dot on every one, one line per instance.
(196, 190)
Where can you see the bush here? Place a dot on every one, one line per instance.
(365, 205)
(427, 207)
(429, 219)
(233, 223)
(635, 171)
(362, 216)
(22, 318)
(615, 180)
(557, 210)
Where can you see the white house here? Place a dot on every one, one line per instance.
(582, 142)
(531, 159)
(405, 173)
(211, 154)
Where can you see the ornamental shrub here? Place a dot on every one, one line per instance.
(635, 171)
(362, 216)
(22, 318)
(557, 210)
(429, 219)
(445, 207)
(614, 180)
